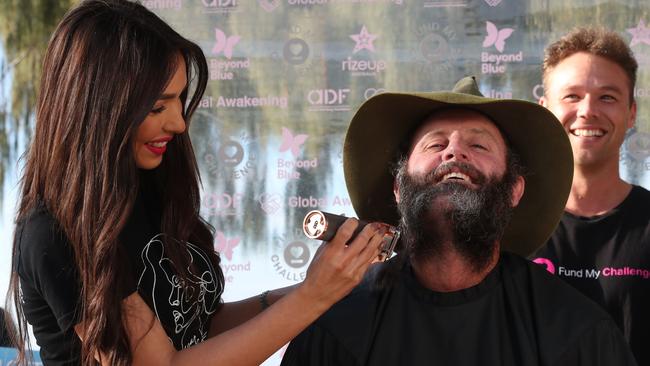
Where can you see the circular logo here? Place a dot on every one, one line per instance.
(231, 152)
(434, 47)
(371, 92)
(296, 51)
(296, 254)
(638, 145)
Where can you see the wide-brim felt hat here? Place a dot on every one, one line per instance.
(385, 123)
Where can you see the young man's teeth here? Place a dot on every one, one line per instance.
(456, 176)
(583, 132)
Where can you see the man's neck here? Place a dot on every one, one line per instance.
(596, 191)
(449, 271)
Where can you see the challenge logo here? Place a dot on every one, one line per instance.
(221, 204)
(434, 49)
(638, 145)
(295, 51)
(162, 4)
(328, 100)
(288, 169)
(363, 40)
(225, 45)
(492, 63)
(233, 157)
(220, 6)
(292, 256)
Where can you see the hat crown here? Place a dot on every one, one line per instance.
(467, 85)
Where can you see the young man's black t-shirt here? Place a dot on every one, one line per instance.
(607, 258)
(50, 284)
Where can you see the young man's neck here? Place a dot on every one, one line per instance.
(449, 271)
(596, 191)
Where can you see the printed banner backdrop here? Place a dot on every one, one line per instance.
(287, 75)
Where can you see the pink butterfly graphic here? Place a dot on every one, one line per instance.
(224, 245)
(496, 37)
(291, 142)
(223, 43)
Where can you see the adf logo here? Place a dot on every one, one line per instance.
(224, 43)
(495, 36)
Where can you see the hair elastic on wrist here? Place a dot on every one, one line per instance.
(264, 302)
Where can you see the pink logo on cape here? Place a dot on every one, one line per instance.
(546, 263)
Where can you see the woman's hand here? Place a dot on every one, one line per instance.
(337, 268)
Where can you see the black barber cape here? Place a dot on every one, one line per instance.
(519, 315)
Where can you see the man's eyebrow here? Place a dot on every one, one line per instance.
(482, 131)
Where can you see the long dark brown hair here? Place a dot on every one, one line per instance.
(105, 66)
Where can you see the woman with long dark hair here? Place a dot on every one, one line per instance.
(112, 262)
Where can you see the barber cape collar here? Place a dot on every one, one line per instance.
(385, 121)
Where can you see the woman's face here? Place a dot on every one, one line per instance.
(163, 122)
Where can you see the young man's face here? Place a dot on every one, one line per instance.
(590, 95)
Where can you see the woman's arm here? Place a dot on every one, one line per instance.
(232, 314)
(335, 270)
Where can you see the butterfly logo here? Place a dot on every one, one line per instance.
(269, 5)
(495, 36)
(224, 43)
(224, 245)
(291, 142)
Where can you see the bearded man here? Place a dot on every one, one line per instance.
(474, 184)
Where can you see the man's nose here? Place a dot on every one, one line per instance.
(455, 151)
(587, 108)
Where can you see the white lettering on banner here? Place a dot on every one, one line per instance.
(162, 4)
(251, 102)
(592, 273)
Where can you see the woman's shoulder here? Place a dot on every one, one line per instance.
(38, 235)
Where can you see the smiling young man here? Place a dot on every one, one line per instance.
(472, 193)
(602, 244)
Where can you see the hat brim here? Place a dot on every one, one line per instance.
(385, 121)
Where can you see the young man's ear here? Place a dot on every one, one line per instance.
(518, 191)
(542, 101)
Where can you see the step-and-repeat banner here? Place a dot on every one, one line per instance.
(287, 75)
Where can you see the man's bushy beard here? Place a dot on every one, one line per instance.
(473, 219)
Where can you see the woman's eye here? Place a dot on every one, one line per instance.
(158, 110)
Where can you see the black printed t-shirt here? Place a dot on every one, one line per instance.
(607, 258)
(519, 315)
(50, 284)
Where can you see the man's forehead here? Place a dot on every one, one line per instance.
(448, 120)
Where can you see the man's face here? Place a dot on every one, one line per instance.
(454, 187)
(590, 95)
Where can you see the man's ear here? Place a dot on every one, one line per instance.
(517, 190)
(542, 101)
(396, 190)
